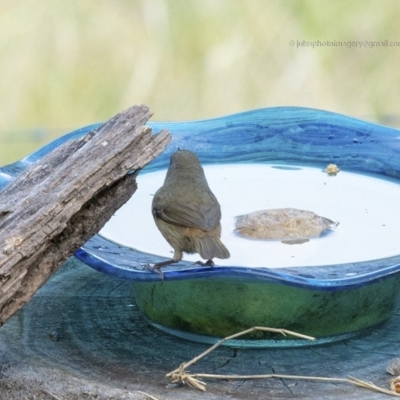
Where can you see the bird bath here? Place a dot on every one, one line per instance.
(332, 287)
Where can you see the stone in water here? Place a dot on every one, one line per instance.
(289, 225)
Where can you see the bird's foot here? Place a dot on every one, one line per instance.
(208, 263)
(157, 267)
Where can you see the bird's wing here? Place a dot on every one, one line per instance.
(203, 216)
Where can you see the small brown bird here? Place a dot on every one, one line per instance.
(187, 213)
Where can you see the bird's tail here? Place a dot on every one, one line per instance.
(211, 246)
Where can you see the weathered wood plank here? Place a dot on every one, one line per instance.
(59, 202)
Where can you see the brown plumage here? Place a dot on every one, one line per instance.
(186, 211)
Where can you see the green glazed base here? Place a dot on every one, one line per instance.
(205, 310)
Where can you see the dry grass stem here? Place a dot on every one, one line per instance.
(284, 332)
(149, 396)
(51, 394)
(371, 386)
(395, 384)
(180, 375)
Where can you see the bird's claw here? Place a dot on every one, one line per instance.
(155, 268)
(208, 263)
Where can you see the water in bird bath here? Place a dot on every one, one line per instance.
(365, 206)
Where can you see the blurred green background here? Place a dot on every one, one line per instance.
(66, 64)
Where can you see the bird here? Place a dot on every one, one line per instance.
(187, 213)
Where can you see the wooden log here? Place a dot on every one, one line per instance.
(59, 202)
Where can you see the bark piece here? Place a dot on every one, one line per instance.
(63, 199)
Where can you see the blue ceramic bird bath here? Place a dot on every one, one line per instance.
(332, 287)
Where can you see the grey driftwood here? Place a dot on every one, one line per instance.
(59, 202)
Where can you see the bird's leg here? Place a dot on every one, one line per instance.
(163, 264)
(157, 266)
(208, 263)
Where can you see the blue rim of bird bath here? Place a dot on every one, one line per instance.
(278, 134)
(281, 135)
